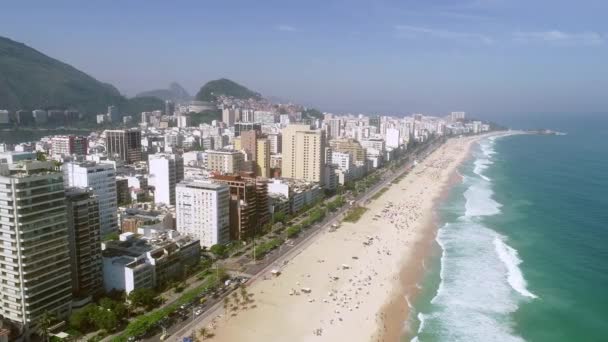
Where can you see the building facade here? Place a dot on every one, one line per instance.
(303, 153)
(101, 178)
(225, 161)
(165, 171)
(35, 273)
(66, 145)
(124, 145)
(203, 211)
(85, 242)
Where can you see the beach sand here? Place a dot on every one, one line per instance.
(360, 276)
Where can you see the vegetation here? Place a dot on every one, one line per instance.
(379, 193)
(44, 325)
(107, 315)
(355, 214)
(212, 89)
(220, 251)
(279, 217)
(336, 203)
(293, 230)
(31, 80)
(143, 298)
(264, 248)
(205, 117)
(111, 237)
(312, 113)
(144, 323)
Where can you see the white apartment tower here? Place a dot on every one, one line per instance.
(101, 178)
(165, 171)
(202, 210)
(35, 274)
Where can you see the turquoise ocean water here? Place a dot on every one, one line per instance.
(522, 248)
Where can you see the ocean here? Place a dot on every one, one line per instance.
(522, 245)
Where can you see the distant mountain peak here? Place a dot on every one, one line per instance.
(175, 93)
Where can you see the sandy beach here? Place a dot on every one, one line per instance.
(352, 284)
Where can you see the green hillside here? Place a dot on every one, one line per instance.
(212, 89)
(31, 80)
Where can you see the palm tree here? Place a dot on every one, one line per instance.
(44, 325)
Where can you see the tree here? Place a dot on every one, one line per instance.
(40, 156)
(279, 217)
(219, 250)
(105, 319)
(143, 298)
(44, 325)
(81, 319)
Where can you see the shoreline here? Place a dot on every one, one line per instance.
(352, 283)
(396, 327)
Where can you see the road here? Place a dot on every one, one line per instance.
(278, 258)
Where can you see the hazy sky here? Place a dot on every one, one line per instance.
(431, 56)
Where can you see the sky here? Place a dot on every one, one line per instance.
(485, 57)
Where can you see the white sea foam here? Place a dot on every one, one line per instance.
(479, 200)
(476, 296)
(511, 260)
(409, 304)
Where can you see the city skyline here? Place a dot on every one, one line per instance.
(484, 57)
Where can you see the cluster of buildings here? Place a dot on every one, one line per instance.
(132, 208)
(38, 117)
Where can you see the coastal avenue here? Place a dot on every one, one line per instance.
(279, 258)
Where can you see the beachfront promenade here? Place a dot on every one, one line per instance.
(281, 257)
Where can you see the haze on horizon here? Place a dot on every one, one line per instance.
(480, 56)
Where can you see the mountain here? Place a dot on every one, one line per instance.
(212, 89)
(175, 93)
(31, 80)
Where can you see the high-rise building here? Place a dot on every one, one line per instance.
(101, 178)
(123, 194)
(393, 137)
(458, 116)
(243, 206)
(262, 160)
(124, 145)
(247, 115)
(229, 116)
(248, 143)
(35, 275)
(203, 211)
(85, 242)
(374, 121)
(276, 143)
(165, 171)
(241, 127)
(303, 153)
(225, 161)
(334, 128)
(67, 145)
(349, 146)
